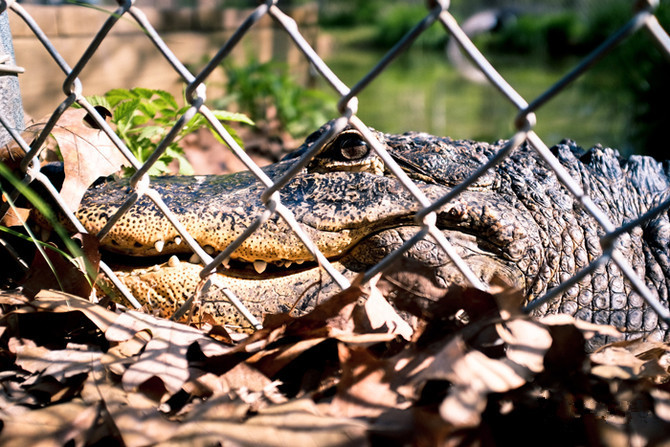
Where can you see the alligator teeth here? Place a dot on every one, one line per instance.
(226, 262)
(158, 245)
(155, 268)
(260, 266)
(209, 250)
(177, 240)
(288, 264)
(194, 259)
(299, 261)
(173, 261)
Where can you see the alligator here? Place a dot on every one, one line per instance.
(516, 222)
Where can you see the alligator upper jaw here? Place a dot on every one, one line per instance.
(485, 232)
(307, 281)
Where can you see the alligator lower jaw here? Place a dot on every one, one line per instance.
(166, 286)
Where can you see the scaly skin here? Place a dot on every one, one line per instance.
(517, 221)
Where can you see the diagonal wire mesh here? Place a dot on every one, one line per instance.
(426, 218)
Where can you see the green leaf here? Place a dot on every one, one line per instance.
(143, 93)
(143, 116)
(96, 100)
(167, 98)
(150, 132)
(138, 119)
(123, 113)
(148, 108)
(185, 167)
(232, 133)
(118, 95)
(224, 115)
(159, 168)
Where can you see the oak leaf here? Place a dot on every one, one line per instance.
(87, 154)
(164, 356)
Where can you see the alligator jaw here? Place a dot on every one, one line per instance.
(355, 218)
(299, 288)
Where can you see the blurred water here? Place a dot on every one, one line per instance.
(421, 91)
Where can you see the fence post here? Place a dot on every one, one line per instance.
(11, 107)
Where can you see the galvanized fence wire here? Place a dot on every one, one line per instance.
(426, 218)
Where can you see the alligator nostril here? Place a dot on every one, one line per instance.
(456, 211)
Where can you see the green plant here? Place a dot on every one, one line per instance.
(395, 21)
(640, 69)
(267, 92)
(554, 35)
(346, 14)
(144, 116)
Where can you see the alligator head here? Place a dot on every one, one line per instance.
(516, 221)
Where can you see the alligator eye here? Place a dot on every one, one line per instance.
(352, 147)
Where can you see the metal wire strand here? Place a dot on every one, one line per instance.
(524, 121)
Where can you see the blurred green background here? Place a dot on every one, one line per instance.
(622, 102)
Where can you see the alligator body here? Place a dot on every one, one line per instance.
(516, 221)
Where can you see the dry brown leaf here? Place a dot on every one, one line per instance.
(661, 404)
(11, 298)
(473, 376)
(116, 359)
(478, 371)
(241, 379)
(329, 318)
(87, 153)
(67, 277)
(164, 356)
(56, 425)
(134, 415)
(57, 301)
(527, 342)
(61, 363)
(271, 361)
(295, 423)
(244, 376)
(15, 217)
(15, 344)
(614, 361)
(205, 385)
(463, 406)
(364, 340)
(588, 329)
(11, 154)
(630, 359)
(332, 318)
(645, 349)
(363, 390)
(508, 299)
(380, 314)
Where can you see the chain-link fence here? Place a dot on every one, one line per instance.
(195, 92)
